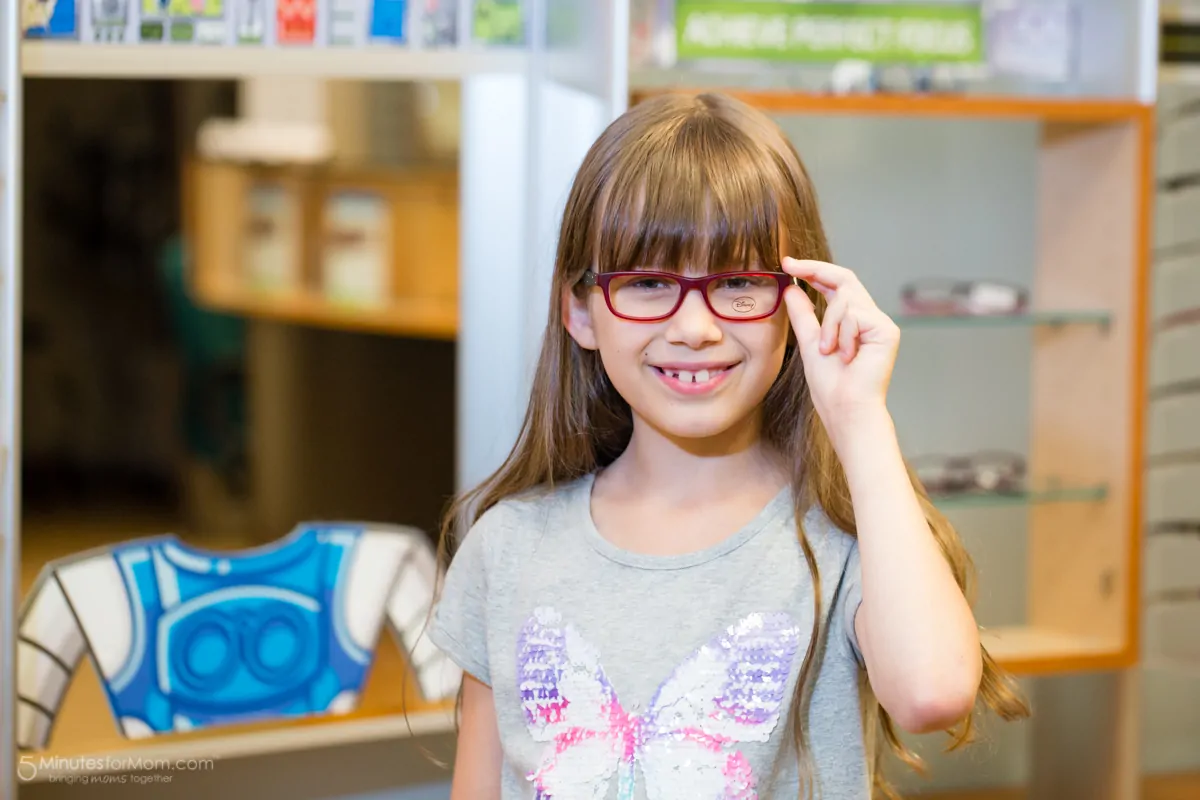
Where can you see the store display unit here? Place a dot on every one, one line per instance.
(1094, 201)
(464, 265)
(1086, 320)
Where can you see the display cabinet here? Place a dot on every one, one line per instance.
(1007, 150)
(456, 253)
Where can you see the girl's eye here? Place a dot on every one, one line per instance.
(734, 283)
(648, 283)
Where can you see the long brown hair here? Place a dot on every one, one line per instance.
(688, 180)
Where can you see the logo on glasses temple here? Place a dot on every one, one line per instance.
(744, 305)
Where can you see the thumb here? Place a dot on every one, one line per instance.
(803, 316)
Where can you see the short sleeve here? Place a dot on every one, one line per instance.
(459, 626)
(849, 598)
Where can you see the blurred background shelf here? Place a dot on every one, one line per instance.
(1034, 319)
(1033, 650)
(72, 59)
(1180, 74)
(1076, 494)
(403, 271)
(424, 318)
(805, 101)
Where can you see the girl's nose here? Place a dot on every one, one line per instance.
(694, 324)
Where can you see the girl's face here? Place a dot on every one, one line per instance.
(692, 376)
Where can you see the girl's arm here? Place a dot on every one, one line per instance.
(915, 628)
(478, 759)
(916, 631)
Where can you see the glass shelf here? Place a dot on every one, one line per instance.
(1033, 319)
(1074, 494)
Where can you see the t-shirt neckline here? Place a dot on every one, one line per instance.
(583, 510)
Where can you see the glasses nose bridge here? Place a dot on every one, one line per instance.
(689, 285)
(688, 318)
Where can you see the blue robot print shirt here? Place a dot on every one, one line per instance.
(185, 639)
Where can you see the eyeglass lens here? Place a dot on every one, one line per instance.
(732, 297)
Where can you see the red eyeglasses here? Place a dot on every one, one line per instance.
(651, 296)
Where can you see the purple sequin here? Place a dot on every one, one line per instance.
(731, 689)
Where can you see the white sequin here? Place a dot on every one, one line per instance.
(730, 690)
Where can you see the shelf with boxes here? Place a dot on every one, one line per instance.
(350, 39)
(373, 251)
(63, 59)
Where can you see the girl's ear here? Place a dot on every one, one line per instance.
(577, 318)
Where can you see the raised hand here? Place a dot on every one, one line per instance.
(849, 354)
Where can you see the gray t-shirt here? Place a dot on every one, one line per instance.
(622, 676)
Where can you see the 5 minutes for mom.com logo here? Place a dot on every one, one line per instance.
(107, 769)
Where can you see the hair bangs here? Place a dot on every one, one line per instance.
(700, 198)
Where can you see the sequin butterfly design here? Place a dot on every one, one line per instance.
(730, 690)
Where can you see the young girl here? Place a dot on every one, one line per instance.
(706, 534)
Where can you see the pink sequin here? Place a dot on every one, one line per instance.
(729, 691)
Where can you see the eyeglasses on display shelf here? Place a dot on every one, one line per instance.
(991, 478)
(943, 302)
(989, 472)
(938, 297)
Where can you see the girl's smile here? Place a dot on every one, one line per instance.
(694, 379)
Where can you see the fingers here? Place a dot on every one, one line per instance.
(824, 277)
(847, 341)
(828, 279)
(840, 330)
(851, 317)
(831, 324)
(803, 316)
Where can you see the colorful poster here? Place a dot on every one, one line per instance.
(48, 19)
(295, 21)
(1034, 40)
(387, 20)
(358, 249)
(438, 22)
(498, 22)
(107, 20)
(184, 21)
(347, 23)
(905, 33)
(250, 21)
(184, 639)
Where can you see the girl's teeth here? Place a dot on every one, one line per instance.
(683, 376)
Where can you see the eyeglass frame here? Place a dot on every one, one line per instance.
(957, 294)
(1011, 481)
(603, 279)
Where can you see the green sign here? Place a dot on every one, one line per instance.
(897, 33)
